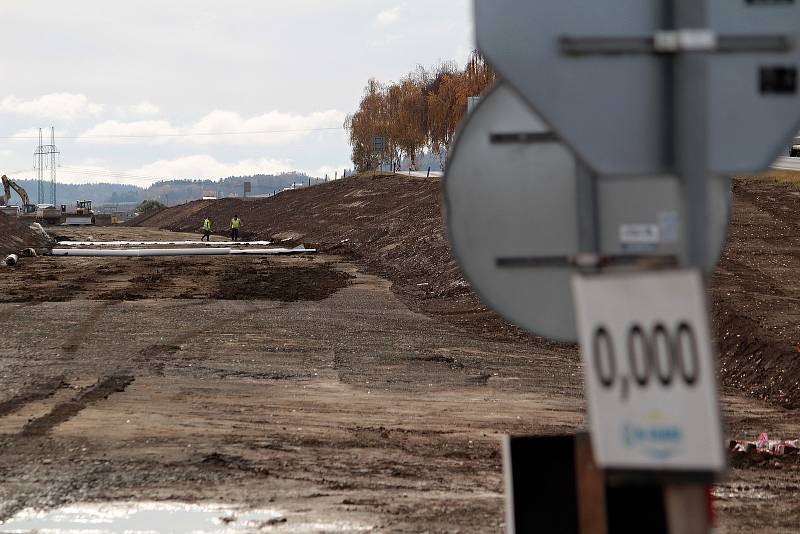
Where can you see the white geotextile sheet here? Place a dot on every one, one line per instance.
(138, 252)
(157, 243)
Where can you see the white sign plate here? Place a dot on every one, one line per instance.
(649, 371)
(640, 235)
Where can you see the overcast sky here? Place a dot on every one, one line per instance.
(97, 69)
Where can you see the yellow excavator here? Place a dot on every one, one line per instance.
(8, 185)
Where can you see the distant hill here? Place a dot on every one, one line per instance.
(180, 191)
(170, 192)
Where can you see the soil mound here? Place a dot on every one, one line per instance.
(16, 236)
(755, 293)
(172, 216)
(390, 225)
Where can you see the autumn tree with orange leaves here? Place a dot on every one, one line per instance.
(421, 111)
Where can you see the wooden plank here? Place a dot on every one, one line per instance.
(687, 508)
(590, 484)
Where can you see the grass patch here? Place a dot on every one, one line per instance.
(775, 175)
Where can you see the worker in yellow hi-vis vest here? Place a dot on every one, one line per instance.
(236, 223)
(206, 229)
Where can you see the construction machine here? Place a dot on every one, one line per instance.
(84, 215)
(8, 185)
(48, 213)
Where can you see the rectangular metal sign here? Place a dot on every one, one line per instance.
(472, 103)
(378, 143)
(248, 186)
(649, 372)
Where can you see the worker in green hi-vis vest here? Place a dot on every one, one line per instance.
(206, 229)
(236, 223)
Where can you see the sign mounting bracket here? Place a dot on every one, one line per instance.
(675, 42)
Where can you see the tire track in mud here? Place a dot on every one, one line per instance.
(65, 411)
(87, 326)
(5, 314)
(765, 199)
(35, 392)
(153, 356)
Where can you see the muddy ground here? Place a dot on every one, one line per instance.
(756, 291)
(321, 394)
(390, 225)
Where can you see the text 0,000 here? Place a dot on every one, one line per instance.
(655, 355)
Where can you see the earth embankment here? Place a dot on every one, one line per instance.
(389, 225)
(393, 227)
(16, 236)
(756, 290)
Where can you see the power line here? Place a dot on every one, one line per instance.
(114, 175)
(119, 175)
(198, 134)
(99, 173)
(46, 157)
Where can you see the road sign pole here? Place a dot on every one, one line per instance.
(586, 192)
(690, 131)
(691, 99)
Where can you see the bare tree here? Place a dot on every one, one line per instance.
(420, 111)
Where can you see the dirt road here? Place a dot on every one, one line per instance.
(309, 388)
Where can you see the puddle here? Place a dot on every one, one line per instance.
(154, 517)
(725, 493)
(141, 518)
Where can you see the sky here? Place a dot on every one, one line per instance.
(174, 74)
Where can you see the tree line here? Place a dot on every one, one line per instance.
(420, 111)
(169, 192)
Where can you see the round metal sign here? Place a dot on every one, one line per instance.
(511, 202)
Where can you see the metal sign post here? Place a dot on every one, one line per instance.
(691, 96)
(379, 147)
(644, 92)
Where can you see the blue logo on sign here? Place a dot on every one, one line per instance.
(655, 437)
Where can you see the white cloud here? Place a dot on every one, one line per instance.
(249, 67)
(31, 136)
(389, 16)
(330, 170)
(203, 166)
(144, 108)
(59, 106)
(199, 166)
(277, 128)
(112, 132)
